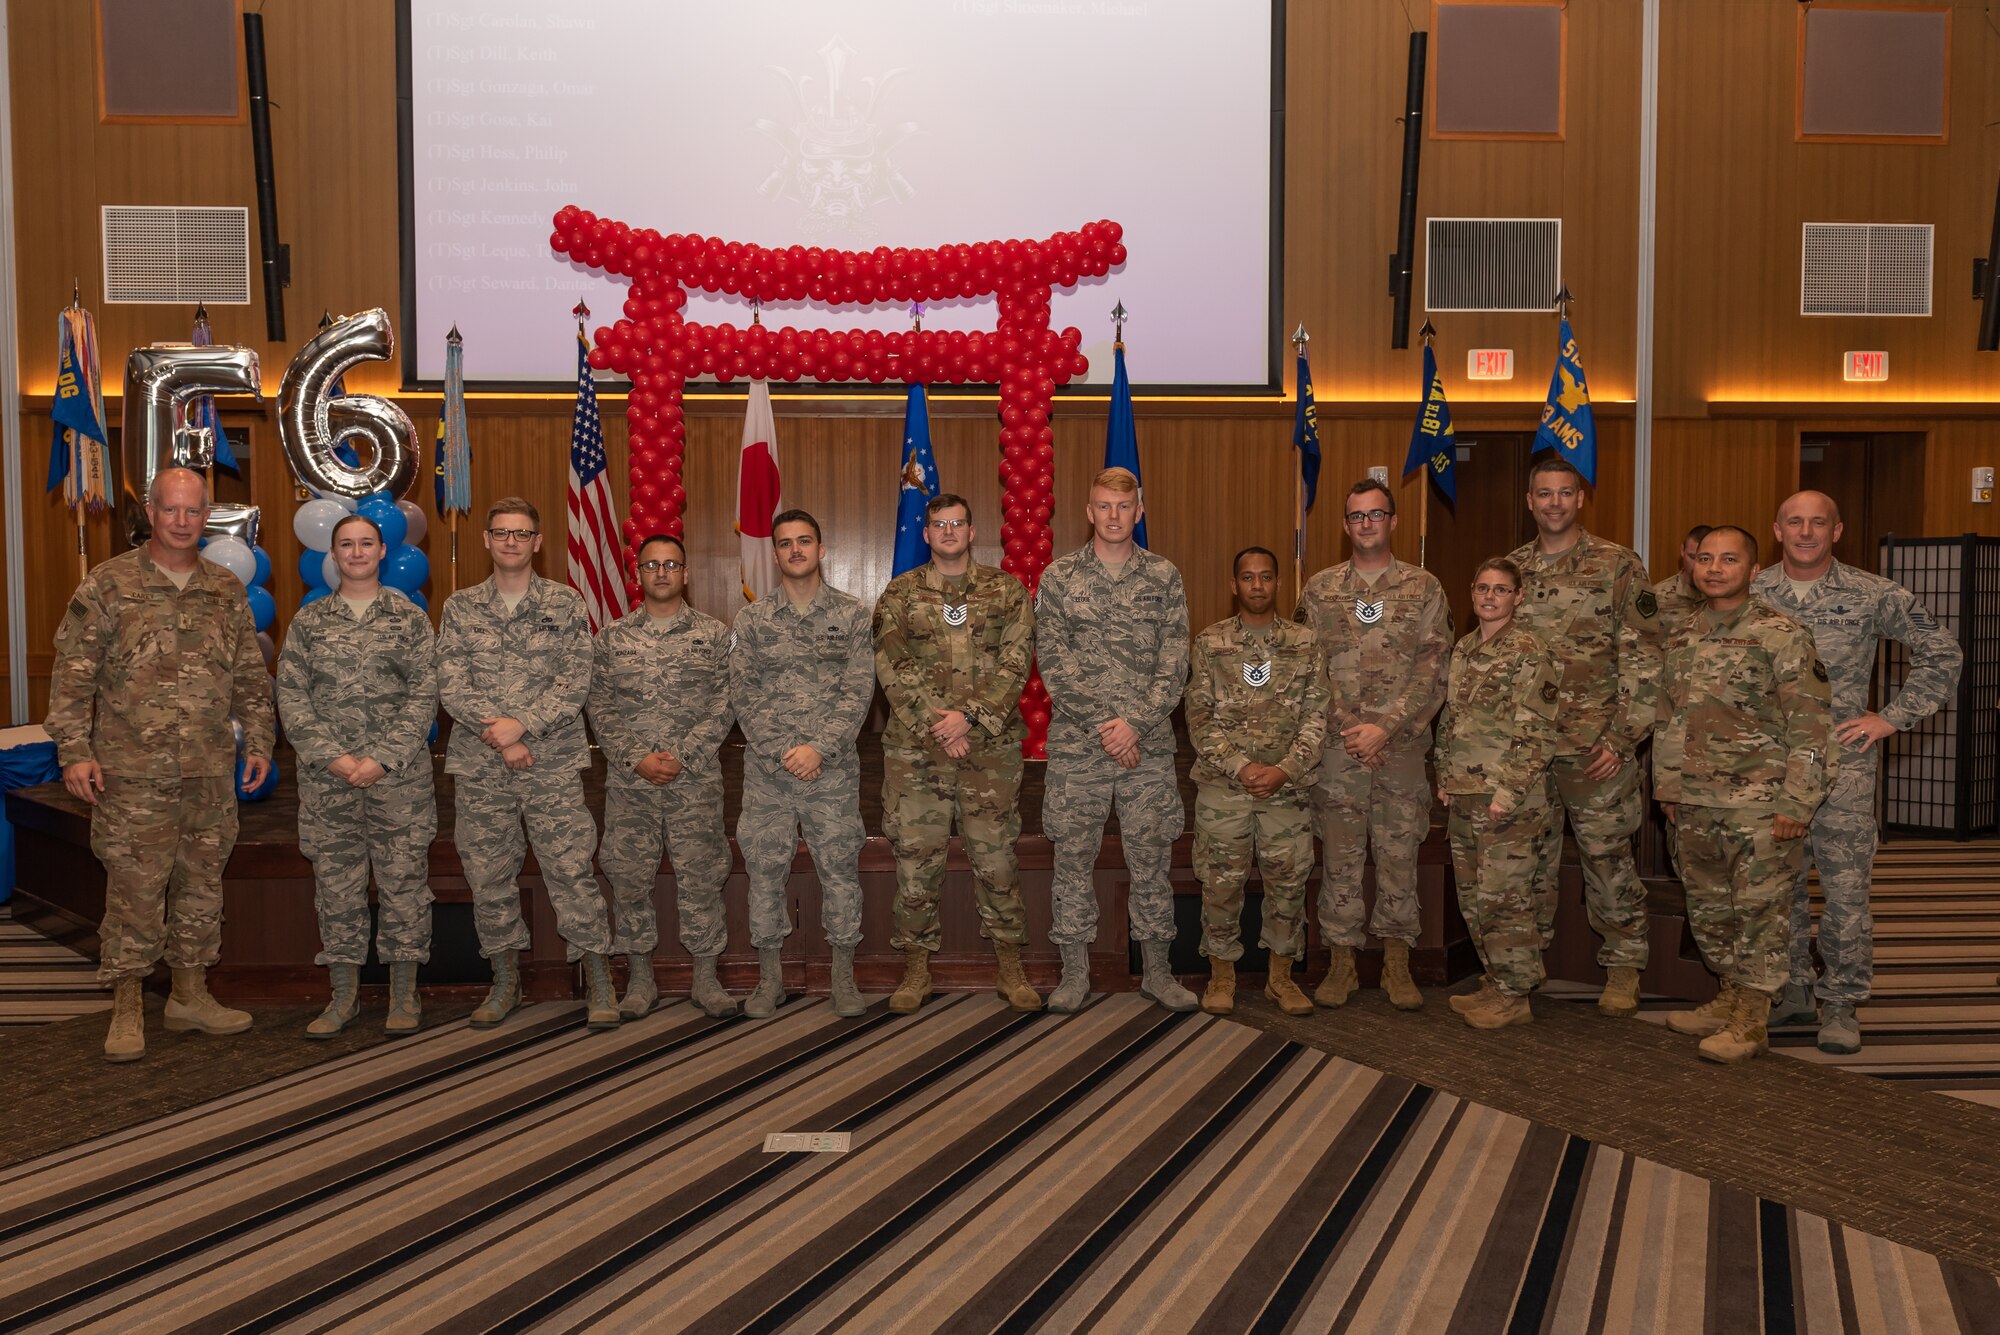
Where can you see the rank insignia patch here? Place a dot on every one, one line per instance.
(955, 616)
(1257, 674)
(1367, 613)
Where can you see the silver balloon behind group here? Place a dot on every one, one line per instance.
(161, 383)
(311, 423)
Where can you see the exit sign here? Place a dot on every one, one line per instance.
(1489, 364)
(1866, 366)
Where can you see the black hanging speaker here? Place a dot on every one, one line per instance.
(277, 258)
(1989, 315)
(1404, 260)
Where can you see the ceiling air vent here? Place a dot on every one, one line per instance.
(1866, 269)
(1492, 264)
(176, 255)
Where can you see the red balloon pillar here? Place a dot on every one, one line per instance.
(1027, 470)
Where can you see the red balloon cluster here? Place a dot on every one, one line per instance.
(659, 349)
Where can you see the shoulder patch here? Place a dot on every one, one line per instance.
(1549, 691)
(1647, 604)
(1819, 670)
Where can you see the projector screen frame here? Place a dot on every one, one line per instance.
(1274, 345)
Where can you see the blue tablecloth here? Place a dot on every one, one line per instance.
(21, 767)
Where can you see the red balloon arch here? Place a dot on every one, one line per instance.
(659, 349)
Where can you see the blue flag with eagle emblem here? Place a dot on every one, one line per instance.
(919, 483)
(1433, 446)
(1567, 426)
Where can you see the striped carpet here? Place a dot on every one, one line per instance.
(42, 981)
(1120, 1170)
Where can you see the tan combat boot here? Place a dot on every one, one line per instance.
(600, 993)
(190, 1007)
(406, 1012)
(127, 1040)
(1281, 990)
(1396, 980)
(1748, 1034)
(1620, 997)
(1497, 1010)
(1711, 1017)
(642, 990)
(1012, 984)
(1340, 981)
(1463, 1002)
(504, 997)
(1219, 997)
(915, 989)
(345, 1004)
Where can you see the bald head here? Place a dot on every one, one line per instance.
(183, 484)
(1807, 528)
(1809, 502)
(177, 510)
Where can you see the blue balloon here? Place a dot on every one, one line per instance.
(416, 596)
(312, 569)
(263, 575)
(263, 607)
(406, 568)
(262, 790)
(387, 518)
(315, 592)
(383, 495)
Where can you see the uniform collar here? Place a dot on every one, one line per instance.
(975, 575)
(821, 600)
(1583, 545)
(203, 576)
(661, 625)
(490, 588)
(1733, 620)
(1088, 552)
(1393, 574)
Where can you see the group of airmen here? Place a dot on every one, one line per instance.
(1321, 724)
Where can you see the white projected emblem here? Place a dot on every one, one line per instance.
(1367, 613)
(1257, 674)
(836, 151)
(956, 615)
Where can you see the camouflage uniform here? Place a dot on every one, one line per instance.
(1677, 599)
(662, 684)
(1387, 647)
(532, 665)
(928, 661)
(1850, 612)
(365, 687)
(1112, 645)
(145, 680)
(1593, 609)
(1744, 733)
(802, 676)
(1494, 742)
(1254, 694)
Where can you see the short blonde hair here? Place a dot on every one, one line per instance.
(1115, 479)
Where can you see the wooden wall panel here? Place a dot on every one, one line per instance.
(1718, 473)
(1955, 449)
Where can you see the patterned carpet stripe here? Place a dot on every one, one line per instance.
(41, 981)
(1122, 1169)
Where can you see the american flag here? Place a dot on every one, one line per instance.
(594, 569)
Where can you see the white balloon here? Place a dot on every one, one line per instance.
(313, 524)
(233, 555)
(329, 571)
(413, 515)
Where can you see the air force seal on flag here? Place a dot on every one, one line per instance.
(1257, 674)
(1367, 613)
(955, 616)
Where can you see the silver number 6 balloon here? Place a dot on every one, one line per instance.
(160, 383)
(312, 424)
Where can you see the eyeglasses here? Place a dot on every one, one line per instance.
(1372, 516)
(948, 525)
(1493, 590)
(504, 534)
(650, 566)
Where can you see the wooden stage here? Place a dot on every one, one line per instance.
(270, 932)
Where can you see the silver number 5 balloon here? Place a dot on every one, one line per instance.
(160, 384)
(312, 424)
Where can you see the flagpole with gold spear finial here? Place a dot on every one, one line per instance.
(1428, 333)
(1299, 340)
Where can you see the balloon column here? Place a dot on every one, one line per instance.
(404, 564)
(659, 349)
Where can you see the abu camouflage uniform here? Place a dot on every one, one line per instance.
(1744, 734)
(1599, 618)
(662, 684)
(1494, 742)
(531, 665)
(145, 681)
(802, 675)
(1255, 693)
(944, 643)
(1112, 644)
(1386, 643)
(1850, 612)
(364, 686)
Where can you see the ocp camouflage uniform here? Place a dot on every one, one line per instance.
(1850, 612)
(145, 681)
(962, 643)
(533, 666)
(365, 687)
(1254, 694)
(1386, 644)
(1677, 599)
(1112, 644)
(1593, 609)
(1494, 742)
(662, 684)
(802, 675)
(1744, 734)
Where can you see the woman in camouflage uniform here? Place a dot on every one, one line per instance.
(357, 692)
(1494, 741)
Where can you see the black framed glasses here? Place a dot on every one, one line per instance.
(517, 534)
(650, 566)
